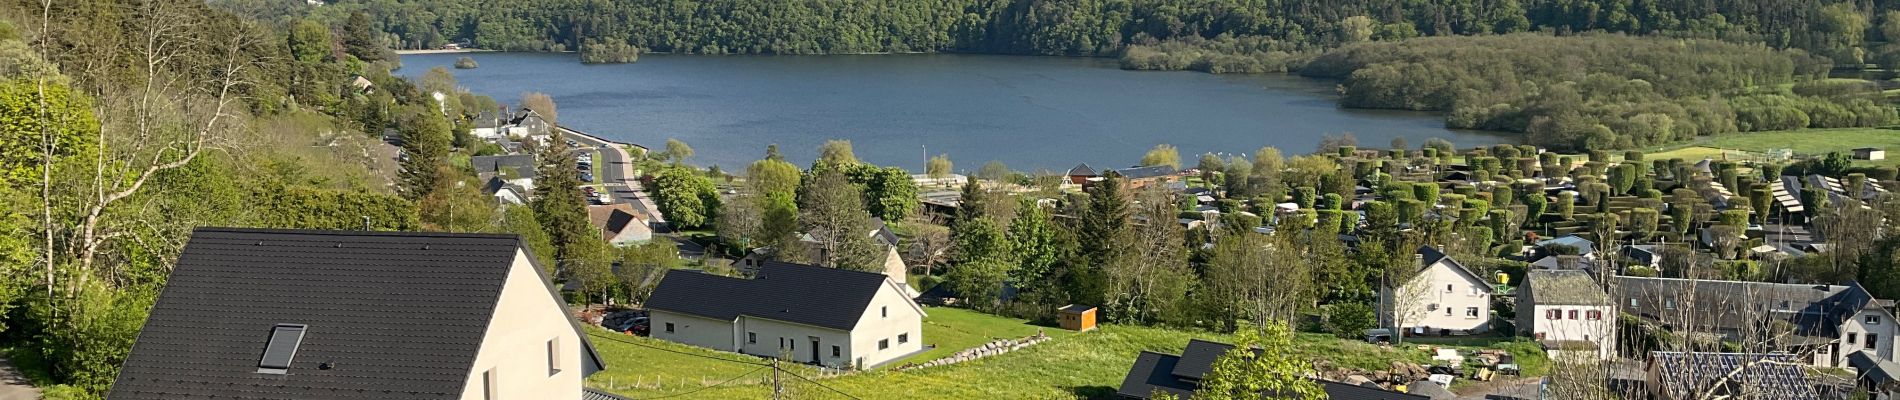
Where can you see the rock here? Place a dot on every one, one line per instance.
(1356, 379)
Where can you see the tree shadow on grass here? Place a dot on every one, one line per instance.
(1093, 392)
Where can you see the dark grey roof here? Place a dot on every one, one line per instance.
(1564, 288)
(1873, 368)
(1145, 172)
(825, 297)
(1565, 263)
(1076, 308)
(1082, 170)
(1154, 372)
(1767, 376)
(1198, 358)
(1429, 255)
(399, 315)
(597, 394)
(884, 233)
(1584, 246)
(1815, 310)
(496, 163)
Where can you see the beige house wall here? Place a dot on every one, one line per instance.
(904, 317)
(694, 330)
(771, 338)
(1601, 331)
(515, 351)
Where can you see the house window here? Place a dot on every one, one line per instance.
(752, 337)
(1447, 288)
(1873, 320)
(1447, 311)
(834, 351)
(490, 389)
(554, 356)
(1573, 314)
(1632, 302)
(1595, 315)
(1821, 350)
(669, 327)
(1669, 304)
(1552, 314)
(1851, 337)
(1784, 304)
(1474, 290)
(1471, 312)
(883, 344)
(1873, 341)
(885, 310)
(903, 338)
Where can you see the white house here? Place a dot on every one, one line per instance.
(833, 317)
(1444, 298)
(1567, 309)
(251, 313)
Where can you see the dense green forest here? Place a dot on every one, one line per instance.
(1596, 74)
(1600, 91)
(1085, 27)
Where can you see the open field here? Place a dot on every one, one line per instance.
(1742, 146)
(1071, 365)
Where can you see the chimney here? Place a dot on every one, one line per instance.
(1418, 259)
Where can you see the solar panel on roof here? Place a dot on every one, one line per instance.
(284, 339)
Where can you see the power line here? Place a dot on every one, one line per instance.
(616, 340)
(748, 373)
(795, 375)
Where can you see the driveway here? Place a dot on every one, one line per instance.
(13, 386)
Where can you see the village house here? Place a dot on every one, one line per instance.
(1828, 321)
(527, 123)
(619, 224)
(288, 314)
(888, 246)
(1180, 376)
(1566, 309)
(827, 316)
(1081, 174)
(1444, 298)
(1140, 177)
(1686, 376)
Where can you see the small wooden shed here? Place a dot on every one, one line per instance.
(1870, 153)
(1076, 317)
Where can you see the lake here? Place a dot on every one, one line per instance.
(1029, 112)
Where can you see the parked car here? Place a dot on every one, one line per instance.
(587, 177)
(602, 198)
(572, 143)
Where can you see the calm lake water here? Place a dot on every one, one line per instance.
(1029, 112)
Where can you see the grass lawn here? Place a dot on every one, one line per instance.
(954, 329)
(1802, 141)
(1071, 365)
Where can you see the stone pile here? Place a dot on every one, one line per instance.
(987, 349)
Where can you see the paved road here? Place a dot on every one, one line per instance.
(617, 176)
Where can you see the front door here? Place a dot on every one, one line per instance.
(814, 350)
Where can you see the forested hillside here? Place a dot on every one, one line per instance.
(124, 124)
(1085, 27)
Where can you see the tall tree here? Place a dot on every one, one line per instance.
(939, 166)
(359, 38)
(1162, 154)
(832, 213)
(425, 145)
(677, 151)
(542, 104)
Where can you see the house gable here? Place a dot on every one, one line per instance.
(530, 346)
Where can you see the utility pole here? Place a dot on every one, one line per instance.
(778, 389)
